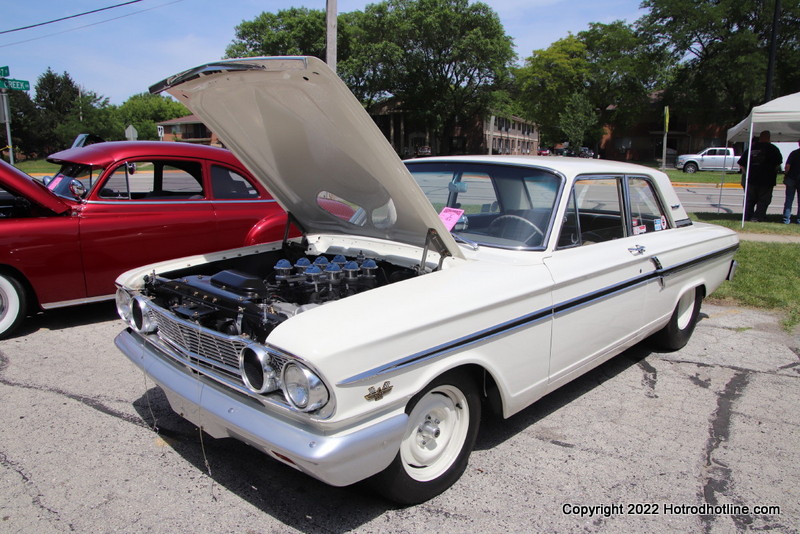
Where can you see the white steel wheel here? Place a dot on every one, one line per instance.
(12, 305)
(437, 429)
(443, 421)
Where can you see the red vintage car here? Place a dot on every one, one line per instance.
(114, 206)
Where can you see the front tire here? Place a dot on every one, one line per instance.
(690, 168)
(13, 305)
(681, 325)
(443, 422)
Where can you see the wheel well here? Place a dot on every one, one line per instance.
(487, 386)
(30, 294)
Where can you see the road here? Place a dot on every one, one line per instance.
(88, 444)
(713, 199)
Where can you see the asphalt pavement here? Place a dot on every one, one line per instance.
(704, 439)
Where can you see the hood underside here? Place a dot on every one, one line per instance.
(303, 134)
(16, 181)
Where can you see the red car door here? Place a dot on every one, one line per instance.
(246, 214)
(141, 212)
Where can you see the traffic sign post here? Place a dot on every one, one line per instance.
(7, 112)
(5, 85)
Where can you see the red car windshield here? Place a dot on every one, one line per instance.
(60, 183)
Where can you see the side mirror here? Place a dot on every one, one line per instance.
(77, 189)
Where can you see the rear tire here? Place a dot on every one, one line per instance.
(13, 305)
(681, 325)
(442, 426)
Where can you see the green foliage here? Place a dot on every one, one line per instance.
(722, 50)
(290, 32)
(441, 58)
(145, 110)
(610, 68)
(766, 278)
(577, 117)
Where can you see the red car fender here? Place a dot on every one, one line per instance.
(270, 228)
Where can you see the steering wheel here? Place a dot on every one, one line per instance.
(501, 224)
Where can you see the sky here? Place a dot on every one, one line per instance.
(120, 52)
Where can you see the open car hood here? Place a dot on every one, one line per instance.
(303, 134)
(16, 181)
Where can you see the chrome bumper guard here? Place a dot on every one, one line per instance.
(337, 459)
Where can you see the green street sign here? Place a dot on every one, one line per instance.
(4, 72)
(20, 85)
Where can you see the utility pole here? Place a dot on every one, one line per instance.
(773, 47)
(330, 44)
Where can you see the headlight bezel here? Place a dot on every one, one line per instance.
(123, 301)
(303, 389)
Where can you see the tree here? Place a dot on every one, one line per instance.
(25, 134)
(548, 78)
(440, 58)
(145, 110)
(56, 98)
(290, 32)
(722, 47)
(625, 68)
(577, 118)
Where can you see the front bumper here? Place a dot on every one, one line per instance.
(338, 459)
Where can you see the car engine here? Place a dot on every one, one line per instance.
(240, 300)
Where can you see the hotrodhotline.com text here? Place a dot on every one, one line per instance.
(607, 510)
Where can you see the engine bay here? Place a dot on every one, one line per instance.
(251, 298)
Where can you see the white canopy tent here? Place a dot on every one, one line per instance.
(780, 116)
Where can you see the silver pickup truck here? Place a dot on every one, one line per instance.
(710, 159)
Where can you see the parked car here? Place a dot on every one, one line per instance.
(710, 159)
(543, 152)
(113, 206)
(368, 347)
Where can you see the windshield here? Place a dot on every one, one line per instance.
(495, 205)
(60, 184)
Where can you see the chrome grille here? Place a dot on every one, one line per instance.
(210, 348)
(203, 346)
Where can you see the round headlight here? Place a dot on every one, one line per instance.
(258, 374)
(123, 299)
(140, 319)
(303, 389)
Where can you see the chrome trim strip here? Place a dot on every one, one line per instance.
(75, 302)
(529, 319)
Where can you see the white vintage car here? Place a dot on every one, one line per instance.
(419, 293)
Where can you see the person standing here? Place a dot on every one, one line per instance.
(791, 179)
(764, 163)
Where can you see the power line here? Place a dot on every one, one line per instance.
(90, 25)
(69, 17)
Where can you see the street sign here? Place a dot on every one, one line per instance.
(4, 72)
(20, 85)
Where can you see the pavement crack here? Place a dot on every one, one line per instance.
(31, 488)
(718, 476)
(91, 402)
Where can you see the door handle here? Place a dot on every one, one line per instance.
(638, 250)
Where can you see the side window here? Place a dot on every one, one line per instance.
(647, 214)
(594, 213)
(228, 184)
(154, 180)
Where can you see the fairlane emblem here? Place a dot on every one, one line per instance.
(379, 393)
